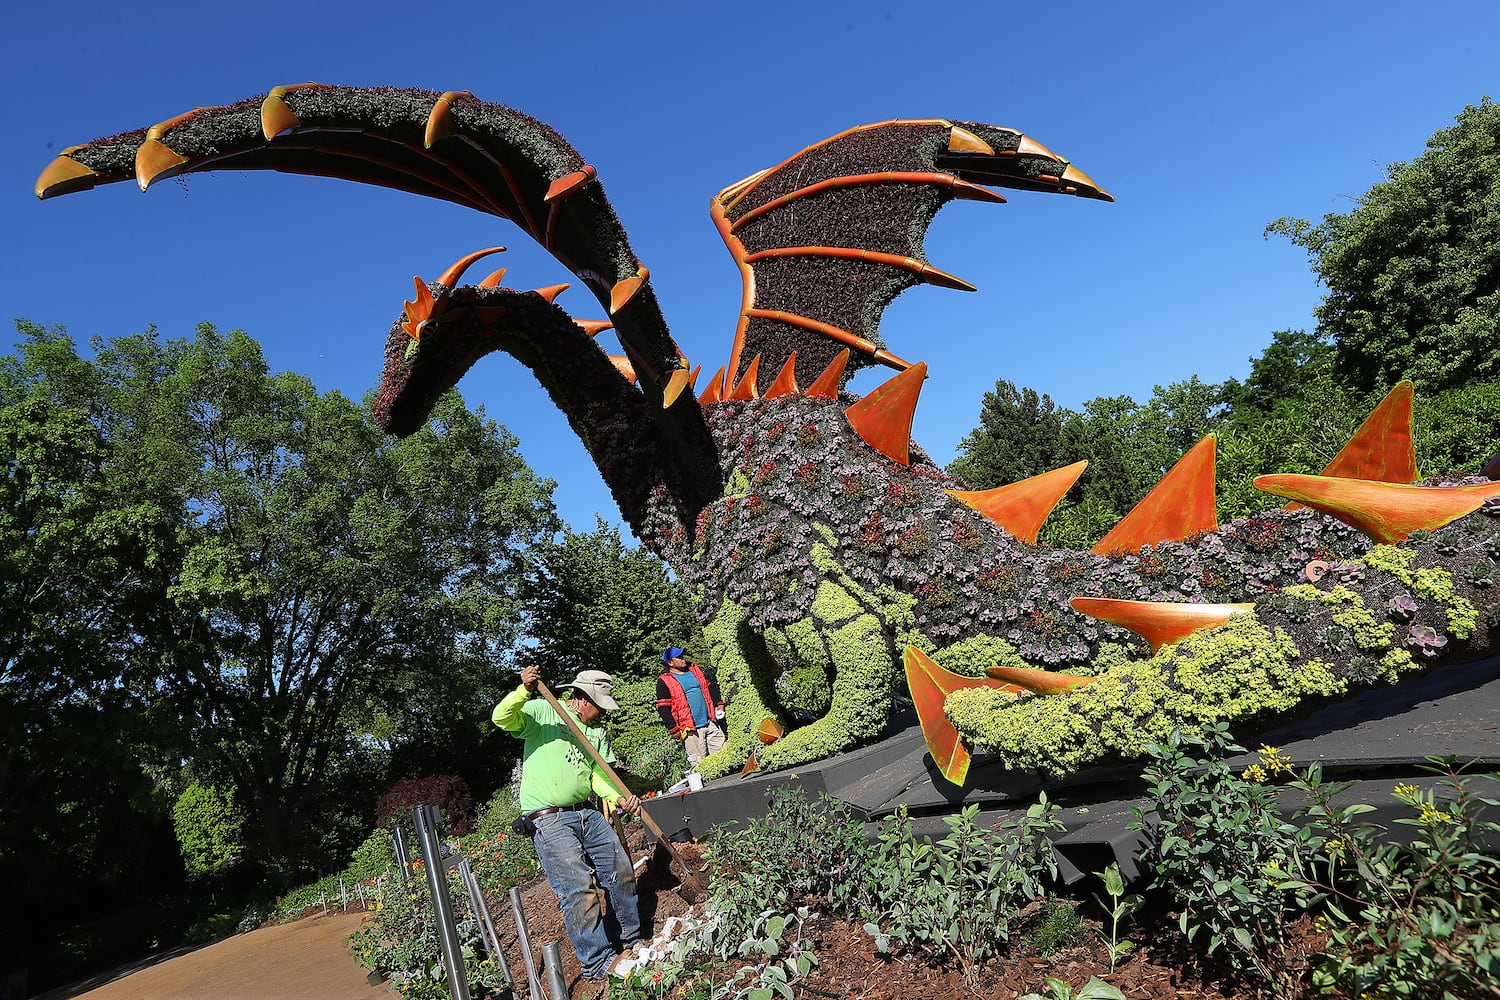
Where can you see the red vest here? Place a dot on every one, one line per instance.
(682, 716)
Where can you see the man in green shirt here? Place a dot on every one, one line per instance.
(572, 837)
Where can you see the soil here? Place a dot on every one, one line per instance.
(309, 958)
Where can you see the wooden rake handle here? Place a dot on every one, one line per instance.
(593, 751)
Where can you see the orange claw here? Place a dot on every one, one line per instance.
(276, 116)
(455, 272)
(1158, 622)
(153, 159)
(551, 292)
(594, 327)
(961, 140)
(1383, 449)
(785, 382)
(883, 418)
(625, 290)
(826, 385)
(492, 280)
(564, 186)
(676, 383)
(1021, 507)
(747, 389)
(1038, 681)
(440, 122)
(1178, 506)
(930, 685)
(64, 175)
(1387, 512)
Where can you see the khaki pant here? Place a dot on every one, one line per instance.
(702, 742)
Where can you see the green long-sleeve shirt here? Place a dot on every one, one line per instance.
(555, 770)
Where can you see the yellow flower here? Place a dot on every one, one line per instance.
(1274, 760)
(1407, 792)
(1332, 846)
(1432, 816)
(1255, 773)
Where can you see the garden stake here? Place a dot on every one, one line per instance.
(533, 984)
(557, 986)
(689, 880)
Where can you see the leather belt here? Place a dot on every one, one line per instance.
(537, 814)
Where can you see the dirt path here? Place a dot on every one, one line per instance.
(303, 960)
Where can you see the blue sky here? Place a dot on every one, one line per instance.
(1206, 121)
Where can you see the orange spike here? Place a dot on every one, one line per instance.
(930, 685)
(747, 389)
(883, 418)
(1387, 512)
(751, 766)
(276, 116)
(1020, 508)
(1181, 504)
(440, 121)
(714, 391)
(153, 159)
(623, 291)
(564, 186)
(1158, 622)
(594, 327)
(961, 140)
(551, 292)
(455, 272)
(1038, 681)
(623, 366)
(769, 731)
(492, 280)
(693, 376)
(826, 385)
(676, 383)
(786, 380)
(64, 175)
(1384, 448)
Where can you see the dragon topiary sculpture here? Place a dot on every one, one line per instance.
(818, 540)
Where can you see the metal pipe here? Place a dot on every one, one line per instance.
(403, 860)
(533, 983)
(437, 885)
(557, 986)
(487, 932)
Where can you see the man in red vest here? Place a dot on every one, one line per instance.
(690, 705)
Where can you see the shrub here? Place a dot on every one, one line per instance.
(1220, 850)
(208, 825)
(373, 857)
(449, 793)
(956, 898)
(1419, 918)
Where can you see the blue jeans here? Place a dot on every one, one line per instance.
(568, 843)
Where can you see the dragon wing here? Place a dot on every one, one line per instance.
(828, 238)
(450, 146)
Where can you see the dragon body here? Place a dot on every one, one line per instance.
(819, 542)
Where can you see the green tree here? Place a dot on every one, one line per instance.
(1413, 271)
(308, 572)
(1020, 434)
(597, 603)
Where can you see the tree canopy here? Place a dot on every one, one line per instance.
(1413, 270)
(261, 590)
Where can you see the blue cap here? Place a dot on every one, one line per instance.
(668, 655)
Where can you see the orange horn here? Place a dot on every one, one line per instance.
(883, 418)
(1181, 504)
(1020, 508)
(1158, 622)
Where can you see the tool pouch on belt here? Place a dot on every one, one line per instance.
(524, 826)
